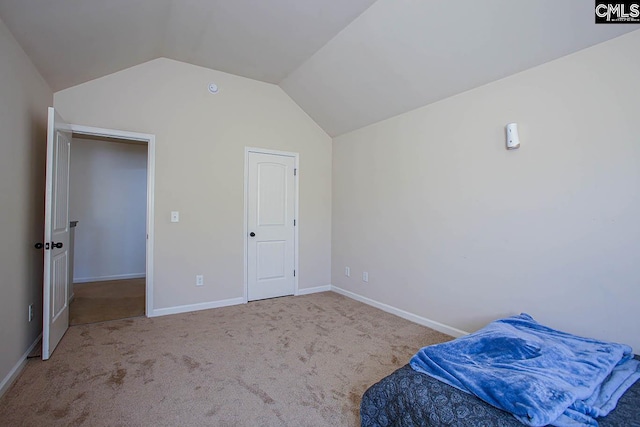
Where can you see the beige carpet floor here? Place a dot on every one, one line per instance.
(107, 300)
(293, 361)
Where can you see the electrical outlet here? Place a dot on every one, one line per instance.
(365, 276)
(347, 271)
(199, 280)
(30, 312)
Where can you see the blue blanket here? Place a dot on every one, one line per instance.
(540, 375)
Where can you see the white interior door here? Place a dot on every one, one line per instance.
(56, 235)
(270, 224)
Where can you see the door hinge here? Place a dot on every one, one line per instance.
(295, 172)
(294, 273)
(294, 222)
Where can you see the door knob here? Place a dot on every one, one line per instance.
(56, 245)
(252, 234)
(39, 246)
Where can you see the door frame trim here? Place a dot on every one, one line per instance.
(150, 140)
(296, 214)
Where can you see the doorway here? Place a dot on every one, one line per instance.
(107, 209)
(57, 225)
(271, 223)
(116, 273)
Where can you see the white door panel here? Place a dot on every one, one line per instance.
(56, 235)
(270, 218)
(272, 194)
(271, 258)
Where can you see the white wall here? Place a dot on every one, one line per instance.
(454, 228)
(24, 98)
(108, 196)
(200, 141)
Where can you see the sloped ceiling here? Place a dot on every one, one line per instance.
(347, 63)
(73, 41)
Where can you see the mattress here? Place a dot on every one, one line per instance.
(409, 398)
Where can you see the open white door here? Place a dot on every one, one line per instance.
(56, 235)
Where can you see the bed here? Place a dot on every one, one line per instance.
(529, 373)
(409, 398)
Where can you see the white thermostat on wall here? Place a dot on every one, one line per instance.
(513, 140)
(213, 88)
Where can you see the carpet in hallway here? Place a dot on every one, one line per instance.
(292, 361)
(107, 300)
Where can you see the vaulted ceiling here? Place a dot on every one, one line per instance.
(347, 63)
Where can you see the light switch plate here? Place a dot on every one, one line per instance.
(175, 216)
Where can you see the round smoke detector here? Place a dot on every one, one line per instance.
(213, 88)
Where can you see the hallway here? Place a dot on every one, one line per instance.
(108, 300)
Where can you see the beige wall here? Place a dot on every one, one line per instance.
(24, 98)
(200, 141)
(454, 228)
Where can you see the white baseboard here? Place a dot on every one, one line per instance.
(307, 291)
(440, 327)
(196, 307)
(17, 368)
(105, 278)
